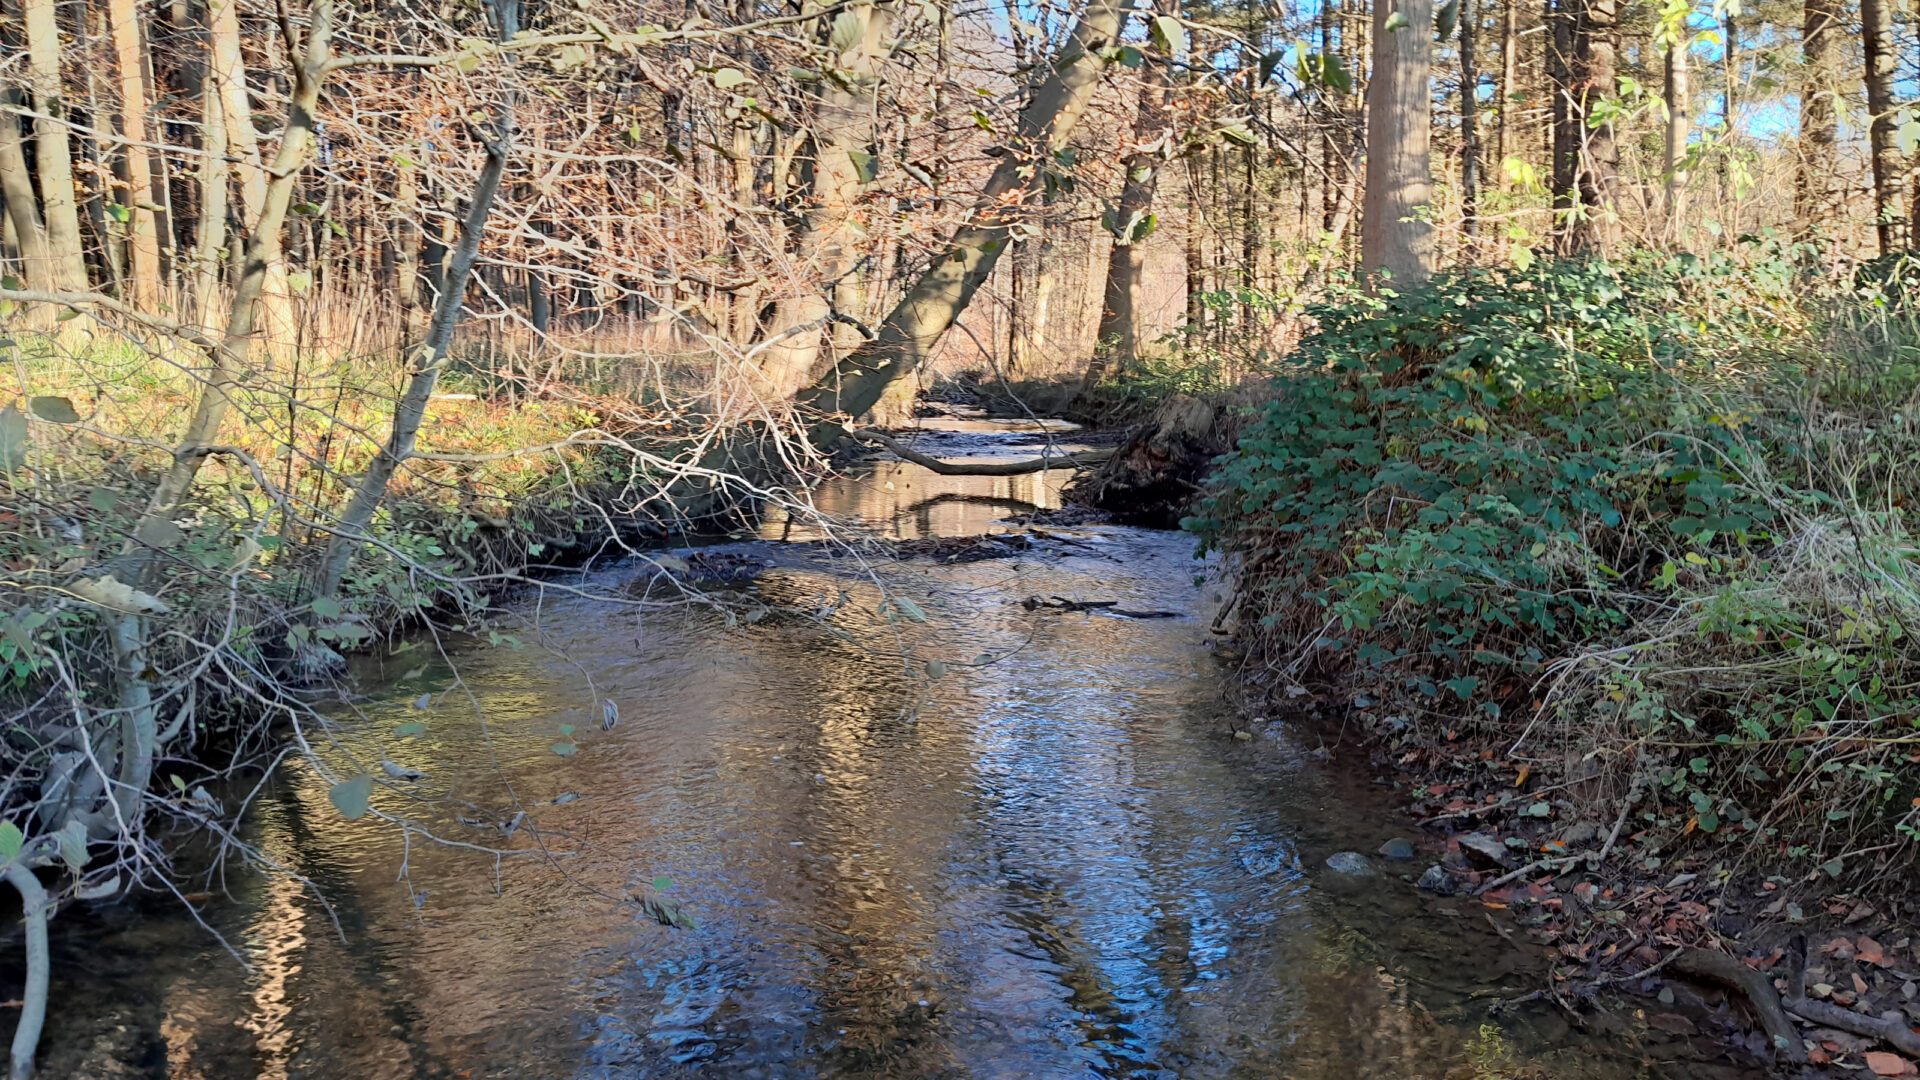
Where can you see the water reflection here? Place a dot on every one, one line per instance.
(1053, 865)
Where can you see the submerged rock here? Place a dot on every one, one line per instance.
(1437, 881)
(1351, 863)
(1398, 849)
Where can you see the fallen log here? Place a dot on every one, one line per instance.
(983, 468)
(1723, 969)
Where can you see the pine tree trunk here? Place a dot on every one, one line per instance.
(1399, 119)
(1595, 49)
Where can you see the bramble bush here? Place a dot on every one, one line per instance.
(1653, 517)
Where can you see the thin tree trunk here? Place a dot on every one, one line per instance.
(272, 315)
(1116, 342)
(53, 154)
(1599, 167)
(1509, 71)
(412, 409)
(915, 325)
(23, 205)
(1876, 20)
(1469, 129)
(210, 237)
(143, 245)
(1565, 147)
(258, 263)
(1819, 121)
(1679, 99)
(1399, 167)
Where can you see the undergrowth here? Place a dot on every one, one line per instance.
(1650, 523)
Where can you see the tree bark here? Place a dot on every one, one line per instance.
(1819, 121)
(829, 235)
(23, 205)
(1116, 342)
(210, 235)
(1399, 166)
(1596, 43)
(1679, 100)
(53, 153)
(1876, 20)
(915, 325)
(1469, 129)
(143, 245)
(272, 315)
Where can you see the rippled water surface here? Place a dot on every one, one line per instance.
(1059, 863)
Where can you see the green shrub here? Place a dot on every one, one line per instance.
(1645, 510)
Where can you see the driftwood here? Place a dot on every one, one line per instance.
(1723, 969)
(984, 468)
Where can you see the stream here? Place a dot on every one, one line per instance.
(1054, 860)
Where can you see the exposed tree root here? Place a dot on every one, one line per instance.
(1725, 970)
(994, 468)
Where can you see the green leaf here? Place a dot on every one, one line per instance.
(73, 845)
(727, 78)
(160, 533)
(10, 840)
(1446, 19)
(1709, 823)
(119, 213)
(1396, 21)
(58, 410)
(566, 731)
(936, 670)
(565, 749)
(409, 729)
(849, 30)
(909, 609)
(1168, 35)
(865, 165)
(102, 499)
(298, 284)
(1908, 136)
(350, 797)
(326, 607)
(13, 438)
(662, 884)
(1833, 867)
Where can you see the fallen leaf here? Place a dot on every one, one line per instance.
(1871, 952)
(1859, 984)
(1839, 948)
(1817, 1056)
(1525, 771)
(1885, 1064)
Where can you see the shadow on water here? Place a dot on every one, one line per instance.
(1055, 864)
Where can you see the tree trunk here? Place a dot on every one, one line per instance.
(1116, 342)
(1819, 121)
(1469, 129)
(1399, 119)
(1595, 46)
(1566, 134)
(1509, 72)
(915, 325)
(258, 264)
(210, 238)
(272, 315)
(829, 236)
(53, 154)
(1876, 20)
(143, 245)
(23, 205)
(412, 408)
(1679, 99)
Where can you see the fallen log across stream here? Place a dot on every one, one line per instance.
(982, 468)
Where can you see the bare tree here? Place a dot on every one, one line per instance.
(1394, 234)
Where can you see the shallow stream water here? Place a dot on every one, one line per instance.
(1055, 862)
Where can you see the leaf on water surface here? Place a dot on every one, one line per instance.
(663, 883)
(566, 731)
(350, 797)
(664, 911)
(409, 730)
(423, 701)
(565, 749)
(936, 670)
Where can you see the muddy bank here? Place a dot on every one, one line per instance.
(1701, 944)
